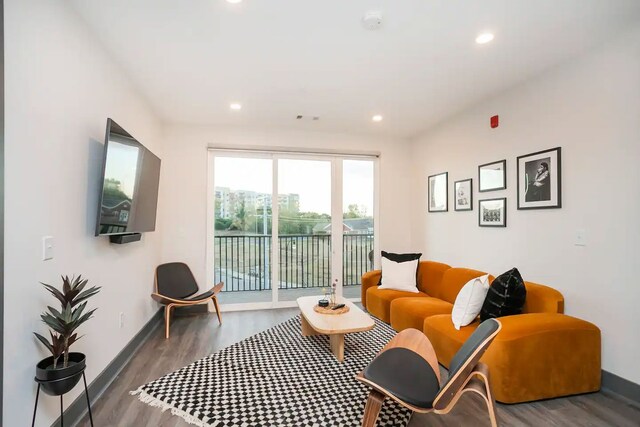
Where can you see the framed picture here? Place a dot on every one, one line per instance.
(492, 176)
(492, 212)
(539, 180)
(463, 195)
(438, 192)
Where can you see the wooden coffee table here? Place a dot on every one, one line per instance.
(334, 325)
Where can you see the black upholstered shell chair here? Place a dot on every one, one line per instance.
(175, 286)
(407, 371)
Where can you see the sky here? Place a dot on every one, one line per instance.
(311, 179)
(122, 163)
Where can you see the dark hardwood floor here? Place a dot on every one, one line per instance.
(194, 337)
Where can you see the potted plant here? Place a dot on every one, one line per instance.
(55, 375)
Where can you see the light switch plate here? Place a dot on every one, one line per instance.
(47, 248)
(581, 237)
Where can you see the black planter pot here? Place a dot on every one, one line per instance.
(56, 382)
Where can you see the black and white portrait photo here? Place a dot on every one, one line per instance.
(492, 212)
(463, 193)
(438, 189)
(539, 180)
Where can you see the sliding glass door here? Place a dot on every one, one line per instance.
(288, 225)
(242, 228)
(304, 227)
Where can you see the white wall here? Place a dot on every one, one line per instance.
(60, 89)
(184, 183)
(591, 108)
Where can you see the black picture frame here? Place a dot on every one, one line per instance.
(547, 196)
(502, 186)
(431, 208)
(502, 222)
(469, 206)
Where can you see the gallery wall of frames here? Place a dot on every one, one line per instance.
(539, 177)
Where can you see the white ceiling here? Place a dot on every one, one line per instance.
(281, 58)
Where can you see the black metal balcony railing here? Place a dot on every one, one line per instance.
(243, 263)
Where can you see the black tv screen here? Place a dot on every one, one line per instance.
(130, 178)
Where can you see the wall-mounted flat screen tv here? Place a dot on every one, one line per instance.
(129, 190)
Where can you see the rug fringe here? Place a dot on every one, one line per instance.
(148, 399)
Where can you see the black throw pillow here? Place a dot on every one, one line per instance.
(506, 296)
(402, 258)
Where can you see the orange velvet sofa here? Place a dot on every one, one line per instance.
(539, 354)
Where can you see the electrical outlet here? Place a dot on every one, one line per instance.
(121, 320)
(581, 238)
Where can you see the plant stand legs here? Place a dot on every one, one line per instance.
(35, 409)
(86, 393)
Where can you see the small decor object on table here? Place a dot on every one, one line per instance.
(539, 180)
(492, 212)
(438, 192)
(329, 304)
(492, 176)
(332, 299)
(57, 377)
(463, 195)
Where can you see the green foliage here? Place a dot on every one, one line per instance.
(355, 211)
(291, 222)
(65, 321)
(223, 223)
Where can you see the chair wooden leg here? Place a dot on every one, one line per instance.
(482, 373)
(167, 319)
(215, 304)
(491, 404)
(372, 408)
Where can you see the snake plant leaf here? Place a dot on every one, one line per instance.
(86, 294)
(81, 284)
(53, 322)
(66, 285)
(73, 338)
(78, 311)
(44, 341)
(54, 312)
(56, 293)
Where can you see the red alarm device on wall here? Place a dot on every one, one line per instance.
(494, 121)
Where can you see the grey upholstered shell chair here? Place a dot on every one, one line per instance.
(407, 371)
(175, 286)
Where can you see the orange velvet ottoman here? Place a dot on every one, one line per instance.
(379, 301)
(535, 356)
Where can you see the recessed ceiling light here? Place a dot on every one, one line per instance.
(235, 106)
(484, 38)
(377, 118)
(234, 1)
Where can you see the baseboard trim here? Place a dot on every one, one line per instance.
(78, 409)
(621, 386)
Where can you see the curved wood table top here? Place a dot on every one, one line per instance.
(355, 320)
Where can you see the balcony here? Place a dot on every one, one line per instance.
(243, 263)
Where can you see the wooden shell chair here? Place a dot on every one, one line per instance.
(175, 286)
(407, 371)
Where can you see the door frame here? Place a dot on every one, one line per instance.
(337, 184)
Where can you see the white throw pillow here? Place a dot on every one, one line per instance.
(400, 276)
(469, 301)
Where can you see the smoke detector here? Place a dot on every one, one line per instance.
(372, 20)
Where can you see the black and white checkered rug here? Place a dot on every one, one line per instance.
(276, 378)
